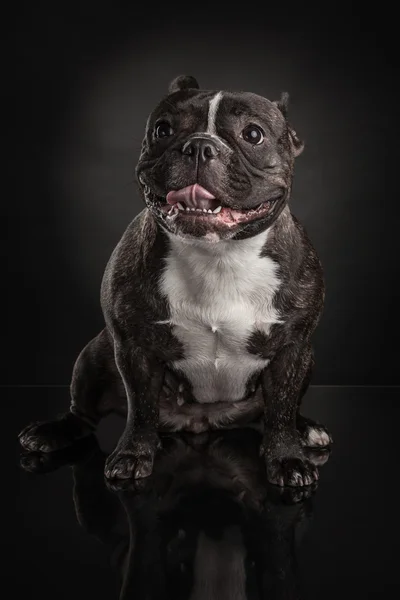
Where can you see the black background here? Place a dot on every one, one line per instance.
(87, 76)
(84, 78)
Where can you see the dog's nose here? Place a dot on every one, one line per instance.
(202, 149)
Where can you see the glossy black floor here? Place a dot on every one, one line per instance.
(207, 526)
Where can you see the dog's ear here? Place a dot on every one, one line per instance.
(183, 82)
(296, 143)
(283, 103)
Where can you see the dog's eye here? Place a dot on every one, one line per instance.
(163, 130)
(253, 134)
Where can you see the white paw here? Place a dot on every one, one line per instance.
(317, 436)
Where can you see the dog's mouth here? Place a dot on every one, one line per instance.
(195, 202)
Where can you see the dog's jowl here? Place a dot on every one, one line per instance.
(211, 296)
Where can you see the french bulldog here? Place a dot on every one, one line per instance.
(211, 296)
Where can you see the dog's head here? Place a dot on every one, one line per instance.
(216, 165)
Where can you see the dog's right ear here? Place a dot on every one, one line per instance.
(283, 103)
(295, 142)
(183, 82)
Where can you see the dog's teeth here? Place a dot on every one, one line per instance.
(217, 209)
(209, 210)
(192, 209)
(173, 212)
(205, 210)
(179, 205)
(187, 209)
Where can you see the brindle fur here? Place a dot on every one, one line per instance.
(127, 368)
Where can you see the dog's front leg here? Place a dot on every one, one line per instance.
(282, 383)
(142, 376)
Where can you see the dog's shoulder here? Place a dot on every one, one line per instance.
(137, 255)
(300, 270)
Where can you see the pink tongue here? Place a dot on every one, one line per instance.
(192, 195)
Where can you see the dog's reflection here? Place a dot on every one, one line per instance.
(204, 526)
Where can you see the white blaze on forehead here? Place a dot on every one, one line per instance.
(212, 112)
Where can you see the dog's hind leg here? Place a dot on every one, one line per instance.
(313, 434)
(96, 391)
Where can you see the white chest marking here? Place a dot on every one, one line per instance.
(218, 293)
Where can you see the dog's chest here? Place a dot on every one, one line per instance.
(217, 296)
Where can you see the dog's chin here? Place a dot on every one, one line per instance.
(196, 212)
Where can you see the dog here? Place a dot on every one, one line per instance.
(211, 296)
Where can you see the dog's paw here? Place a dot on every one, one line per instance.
(286, 460)
(318, 456)
(48, 436)
(313, 435)
(37, 462)
(291, 471)
(133, 456)
(289, 496)
(45, 462)
(128, 486)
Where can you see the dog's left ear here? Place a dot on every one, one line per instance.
(183, 82)
(283, 105)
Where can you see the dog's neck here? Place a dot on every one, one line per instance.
(189, 250)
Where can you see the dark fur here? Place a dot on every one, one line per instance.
(128, 365)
